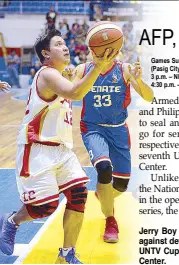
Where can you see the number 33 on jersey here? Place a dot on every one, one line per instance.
(107, 101)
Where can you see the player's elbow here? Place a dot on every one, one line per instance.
(76, 95)
(149, 97)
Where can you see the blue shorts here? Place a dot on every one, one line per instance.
(112, 144)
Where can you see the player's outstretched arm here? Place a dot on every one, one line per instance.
(133, 74)
(56, 83)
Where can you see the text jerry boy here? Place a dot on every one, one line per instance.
(154, 232)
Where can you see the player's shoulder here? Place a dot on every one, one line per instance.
(49, 69)
(48, 72)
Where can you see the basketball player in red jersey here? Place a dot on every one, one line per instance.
(45, 164)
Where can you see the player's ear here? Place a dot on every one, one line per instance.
(45, 54)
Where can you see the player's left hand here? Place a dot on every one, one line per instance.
(5, 87)
(68, 73)
(136, 70)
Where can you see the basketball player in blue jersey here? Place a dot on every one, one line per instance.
(105, 133)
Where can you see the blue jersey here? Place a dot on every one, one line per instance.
(107, 101)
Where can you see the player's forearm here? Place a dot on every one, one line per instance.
(143, 89)
(82, 87)
(66, 89)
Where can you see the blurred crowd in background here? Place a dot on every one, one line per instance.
(74, 37)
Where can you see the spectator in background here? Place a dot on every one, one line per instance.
(83, 40)
(34, 57)
(75, 28)
(80, 58)
(60, 28)
(13, 62)
(129, 26)
(81, 33)
(129, 51)
(85, 26)
(72, 47)
(80, 47)
(98, 13)
(64, 29)
(66, 25)
(32, 74)
(75, 24)
(35, 63)
(128, 45)
(51, 18)
(125, 33)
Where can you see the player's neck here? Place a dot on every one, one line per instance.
(60, 68)
(107, 68)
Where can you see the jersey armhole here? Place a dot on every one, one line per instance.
(37, 90)
(127, 83)
(86, 67)
(84, 71)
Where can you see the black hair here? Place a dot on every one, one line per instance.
(43, 42)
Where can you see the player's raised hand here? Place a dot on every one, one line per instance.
(5, 87)
(109, 56)
(135, 71)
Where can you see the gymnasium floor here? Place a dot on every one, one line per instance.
(38, 241)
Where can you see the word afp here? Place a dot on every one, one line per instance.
(164, 34)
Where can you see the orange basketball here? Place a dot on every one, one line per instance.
(103, 35)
